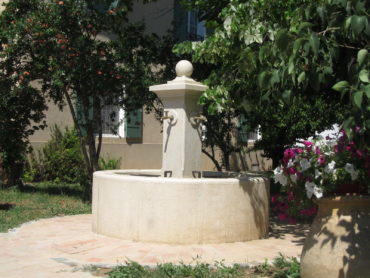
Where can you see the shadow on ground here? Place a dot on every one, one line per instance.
(54, 189)
(6, 206)
(281, 230)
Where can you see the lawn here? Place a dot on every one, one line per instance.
(41, 200)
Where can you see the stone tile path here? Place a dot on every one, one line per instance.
(66, 247)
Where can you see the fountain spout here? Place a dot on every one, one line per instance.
(182, 145)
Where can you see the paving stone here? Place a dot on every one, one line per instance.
(66, 246)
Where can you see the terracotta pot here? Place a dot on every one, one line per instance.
(338, 244)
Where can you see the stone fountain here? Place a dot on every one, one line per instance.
(180, 204)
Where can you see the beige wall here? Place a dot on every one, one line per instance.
(145, 153)
(53, 116)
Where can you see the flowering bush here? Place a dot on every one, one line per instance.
(290, 209)
(325, 166)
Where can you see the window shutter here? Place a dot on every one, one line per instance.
(181, 21)
(134, 124)
(243, 129)
(80, 116)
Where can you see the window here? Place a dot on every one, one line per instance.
(129, 126)
(196, 30)
(187, 26)
(244, 135)
(112, 117)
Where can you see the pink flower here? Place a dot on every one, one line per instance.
(283, 206)
(282, 216)
(308, 212)
(292, 171)
(336, 149)
(308, 145)
(289, 153)
(290, 196)
(317, 151)
(274, 199)
(303, 212)
(322, 160)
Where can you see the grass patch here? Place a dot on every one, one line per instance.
(41, 200)
(281, 267)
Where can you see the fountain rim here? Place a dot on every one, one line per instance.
(155, 176)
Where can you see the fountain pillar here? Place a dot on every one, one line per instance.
(182, 147)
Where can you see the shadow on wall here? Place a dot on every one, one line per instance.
(248, 160)
(259, 201)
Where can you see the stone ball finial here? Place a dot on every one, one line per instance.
(184, 68)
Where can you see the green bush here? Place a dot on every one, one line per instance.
(169, 270)
(282, 267)
(60, 160)
(109, 163)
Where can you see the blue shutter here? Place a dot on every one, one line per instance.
(181, 22)
(134, 124)
(243, 129)
(80, 116)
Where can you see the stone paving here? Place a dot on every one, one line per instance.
(66, 247)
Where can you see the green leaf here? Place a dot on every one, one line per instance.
(266, 96)
(347, 23)
(357, 98)
(301, 77)
(367, 91)
(348, 124)
(340, 86)
(361, 56)
(275, 78)
(286, 95)
(282, 39)
(358, 23)
(364, 76)
(297, 44)
(320, 11)
(314, 43)
(367, 123)
(291, 65)
(304, 25)
(261, 79)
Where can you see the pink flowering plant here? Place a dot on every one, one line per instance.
(288, 208)
(325, 166)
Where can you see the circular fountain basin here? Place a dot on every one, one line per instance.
(140, 205)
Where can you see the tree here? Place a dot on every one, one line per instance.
(84, 54)
(21, 113)
(274, 57)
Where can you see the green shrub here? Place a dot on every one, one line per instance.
(169, 270)
(109, 163)
(60, 160)
(282, 267)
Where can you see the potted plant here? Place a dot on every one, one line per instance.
(335, 172)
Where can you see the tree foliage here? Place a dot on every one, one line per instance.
(81, 53)
(275, 57)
